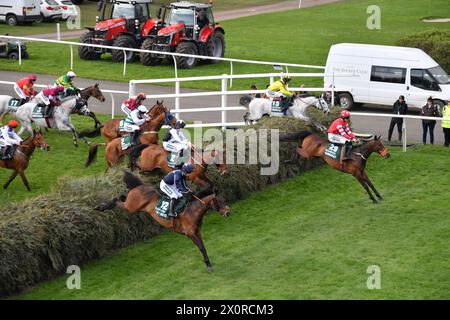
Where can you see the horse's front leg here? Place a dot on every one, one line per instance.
(74, 132)
(13, 176)
(362, 181)
(98, 124)
(370, 184)
(197, 239)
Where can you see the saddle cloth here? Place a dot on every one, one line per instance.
(126, 142)
(162, 208)
(333, 151)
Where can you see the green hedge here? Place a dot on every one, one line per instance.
(41, 237)
(434, 42)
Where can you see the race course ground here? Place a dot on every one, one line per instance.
(310, 237)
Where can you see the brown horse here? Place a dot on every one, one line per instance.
(86, 94)
(145, 198)
(158, 116)
(19, 163)
(155, 157)
(312, 146)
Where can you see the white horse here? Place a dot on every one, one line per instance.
(4, 104)
(61, 119)
(259, 108)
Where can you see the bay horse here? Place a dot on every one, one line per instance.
(157, 115)
(86, 94)
(114, 153)
(145, 198)
(155, 157)
(312, 146)
(19, 163)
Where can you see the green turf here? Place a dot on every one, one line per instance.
(296, 36)
(89, 12)
(317, 243)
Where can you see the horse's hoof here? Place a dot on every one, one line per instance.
(374, 201)
(210, 269)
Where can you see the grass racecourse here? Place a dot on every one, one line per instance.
(310, 237)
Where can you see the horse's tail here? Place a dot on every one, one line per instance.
(90, 134)
(131, 180)
(93, 149)
(295, 136)
(135, 152)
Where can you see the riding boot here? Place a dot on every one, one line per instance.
(348, 149)
(172, 208)
(136, 135)
(48, 111)
(5, 152)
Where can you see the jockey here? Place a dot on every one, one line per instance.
(8, 137)
(278, 89)
(132, 103)
(50, 98)
(135, 119)
(340, 133)
(67, 82)
(176, 142)
(174, 185)
(24, 88)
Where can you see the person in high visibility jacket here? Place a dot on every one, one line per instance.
(278, 89)
(446, 123)
(24, 88)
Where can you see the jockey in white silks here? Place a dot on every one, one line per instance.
(135, 119)
(177, 144)
(8, 137)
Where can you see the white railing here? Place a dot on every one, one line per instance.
(71, 44)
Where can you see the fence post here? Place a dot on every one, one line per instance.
(132, 89)
(177, 99)
(404, 134)
(231, 74)
(58, 31)
(332, 90)
(271, 80)
(20, 52)
(124, 63)
(112, 105)
(224, 100)
(71, 57)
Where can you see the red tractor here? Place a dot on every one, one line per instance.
(122, 23)
(188, 28)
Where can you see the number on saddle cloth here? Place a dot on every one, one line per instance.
(14, 103)
(126, 141)
(38, 111)
(162, 208)
(333, 151)
(276, 105)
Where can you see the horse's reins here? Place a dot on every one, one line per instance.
(201, 201)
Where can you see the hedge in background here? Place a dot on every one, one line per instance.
(434, 42)
(41, 237)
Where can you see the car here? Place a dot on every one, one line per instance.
(50, 10)
(19, 11)
(68, 9)
(375, 74)
(10, 49)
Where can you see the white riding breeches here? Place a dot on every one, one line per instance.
(19, 92)
(175, 148)
(274, 94)
(337, 138)
(170, 190)
(125, 109)
(128, 127)
(41, 98)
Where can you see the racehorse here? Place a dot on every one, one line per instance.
(114, 153)
(19, 163)
(155, 157)
(260, 107)
(158, 114)
(60, 120)
(312, 146)
(144, 198)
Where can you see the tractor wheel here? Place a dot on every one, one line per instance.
(124, 41)
(87, 53)
(186, 48)
(146, 58)
(215, 46)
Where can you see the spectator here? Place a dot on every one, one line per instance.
(328, 95)
(255, 95)
(400, 107)
(446, 123)
(429, 110)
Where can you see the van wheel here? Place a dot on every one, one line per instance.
(346, 101)
(439, 104)
(11, 20)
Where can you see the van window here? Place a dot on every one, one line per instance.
(388, 74)
(422, 79)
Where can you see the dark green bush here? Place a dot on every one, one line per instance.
(434, 42)
(41, 237)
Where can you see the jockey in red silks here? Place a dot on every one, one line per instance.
(50, 98)
(340, 133)
(24, 88)
(132, 103)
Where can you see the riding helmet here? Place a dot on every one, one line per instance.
(32, 77)
(13, 124)
(187, 168)
(345, 114)
(142, 96)
(180, 124)
(71, 74)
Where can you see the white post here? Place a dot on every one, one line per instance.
(224, 100)
(175, 66)
(332, 90)
(132, 89)
(300, 4)
(404, 135)
(58, 31)
(112, 105)
(20, 52)
(124, 63)
(71, 57)
(271, 80)
(231, 74)
(177, 99)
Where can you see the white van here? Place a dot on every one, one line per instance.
(376, 74)
(18, 11)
